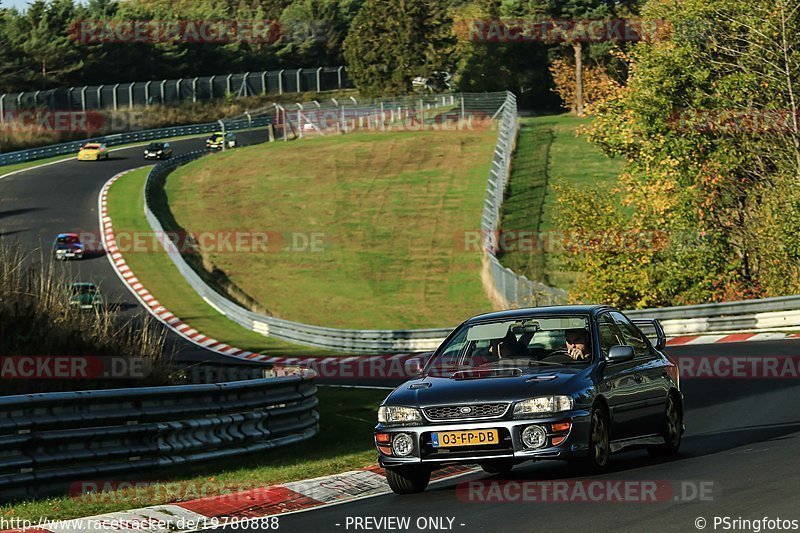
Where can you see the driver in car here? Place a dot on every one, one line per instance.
(577, 341)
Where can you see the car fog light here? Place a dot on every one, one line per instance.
(534, 437)
(403, 445)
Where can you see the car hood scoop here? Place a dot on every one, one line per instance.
(486, 373)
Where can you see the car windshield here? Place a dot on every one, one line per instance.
(69, 239)
(518, 343)
(84, 289)
(155, 146)
(91, 147)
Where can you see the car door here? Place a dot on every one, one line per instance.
(648, 375)
(618, 384)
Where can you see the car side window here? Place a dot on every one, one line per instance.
(631, 335)
(609, 334)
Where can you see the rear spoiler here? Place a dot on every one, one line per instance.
(652, 328)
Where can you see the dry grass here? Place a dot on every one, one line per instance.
(36, 319)
(390, 211)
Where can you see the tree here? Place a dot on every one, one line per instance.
(390, 43)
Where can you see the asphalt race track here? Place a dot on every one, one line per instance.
(741, 445)
(37, 204)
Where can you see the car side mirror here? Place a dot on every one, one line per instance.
(620, 354)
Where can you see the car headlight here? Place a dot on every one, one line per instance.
(389, 414)
(543, 405)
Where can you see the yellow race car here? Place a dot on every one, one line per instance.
(93, 152)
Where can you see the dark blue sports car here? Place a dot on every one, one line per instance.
(566, 382)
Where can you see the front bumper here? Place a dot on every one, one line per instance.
(69, 254)
(510, 446)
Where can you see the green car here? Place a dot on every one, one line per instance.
(85, 296)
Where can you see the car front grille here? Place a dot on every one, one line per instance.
(461, 412)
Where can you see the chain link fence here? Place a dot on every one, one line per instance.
(514, 290)
(127, 95)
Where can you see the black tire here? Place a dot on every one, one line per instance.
(599, 441)
(672, 429)
(497, 467)
(408, 479)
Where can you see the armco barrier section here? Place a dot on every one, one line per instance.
(116, 139)
(48, 441)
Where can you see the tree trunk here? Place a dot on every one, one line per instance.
(578, 49)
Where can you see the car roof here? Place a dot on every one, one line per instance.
(82, 284)
(60, 235)
(553, 310)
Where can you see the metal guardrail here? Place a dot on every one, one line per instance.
(116, 139)
(514, 290)
(48, 441)
(127, 95)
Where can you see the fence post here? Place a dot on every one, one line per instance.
(100, 97)
(280, 81)
(228, 84)
(319, 80)
(264, 82)
(194, 90)
(130, 96)
(36, 98)
(2, 108)
(297, 75)
(339, 75)
(115, 96)
(147, 93)
(463, 115)
(178, 89)
(163, 82)
(83, 98)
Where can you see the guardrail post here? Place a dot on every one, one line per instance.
(115, 96)
(280, 81)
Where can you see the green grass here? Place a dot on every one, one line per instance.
(158, 273)
(347, 417)
(549, 151)
(390, 209)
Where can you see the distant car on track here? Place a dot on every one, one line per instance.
(68, 246)
(215, 141)
(93, 152)
(563, 382)
(85, 296)
(158, 150)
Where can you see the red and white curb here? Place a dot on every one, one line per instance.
(730, 337)
(236, 508)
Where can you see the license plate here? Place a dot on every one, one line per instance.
(475, 437)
